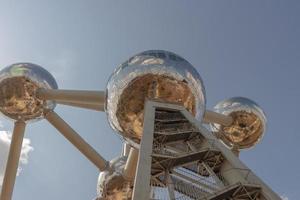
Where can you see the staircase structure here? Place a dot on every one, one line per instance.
(181, 159)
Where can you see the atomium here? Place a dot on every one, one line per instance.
(155, 75)
(18, 85)
(29, 93)
(249, 123)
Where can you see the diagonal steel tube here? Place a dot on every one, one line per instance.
(13, 161)
(72, 96)
(76, 140)
(214, 117)
(130, 166)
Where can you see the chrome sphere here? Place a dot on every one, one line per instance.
(111, 183)
(18, 85)
(249, 123)
(156, 75)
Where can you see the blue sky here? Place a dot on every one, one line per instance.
(240, 48)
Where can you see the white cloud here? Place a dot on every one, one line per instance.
(5, 139)
(283, 197)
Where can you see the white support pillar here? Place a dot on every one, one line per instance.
(13, 161)
(141, 190)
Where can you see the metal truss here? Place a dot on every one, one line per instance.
(189, 162)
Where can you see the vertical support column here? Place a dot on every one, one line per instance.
(13, 161)
(152, 193)
(141, 190)
(130, 166)
(170, 185)
(126, 149)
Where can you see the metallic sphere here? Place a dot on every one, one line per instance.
(249, 123)
(111, 183)
(155, 75)
(18, 85)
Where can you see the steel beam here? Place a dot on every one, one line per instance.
(76, 140)
(214, 117)
(141, 190)
(72, 96)
(13, 161)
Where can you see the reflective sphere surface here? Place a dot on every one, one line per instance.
(112, 185)
(18, 85)
(249, 123)
(155, 75)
